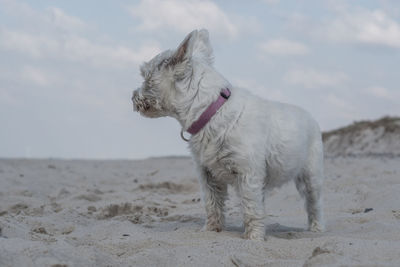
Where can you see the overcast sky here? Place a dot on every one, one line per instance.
(67, 68)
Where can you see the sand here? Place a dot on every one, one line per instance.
(149, 213)
(367, 138)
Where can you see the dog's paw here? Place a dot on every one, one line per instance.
(316, 226)
(254, 235)
(212, 227)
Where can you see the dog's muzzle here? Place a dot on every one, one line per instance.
(140, 103)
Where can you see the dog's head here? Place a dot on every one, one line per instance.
(167, 76)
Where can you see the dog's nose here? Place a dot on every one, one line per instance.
(137, 99)
(134, 97)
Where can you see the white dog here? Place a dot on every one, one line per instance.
(237, 138)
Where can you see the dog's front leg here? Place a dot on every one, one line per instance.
(251, 193)
(214, 195)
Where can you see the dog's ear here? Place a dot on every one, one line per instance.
(184, 51)
(202, 47)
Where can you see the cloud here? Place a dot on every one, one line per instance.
(33, 45)
(183, 16)
(17, 8)
(271, 2)
(60, 19)
(73, 47)
(311, 78)
(364, 26)
(260, 89)
(339, 107)
(51, 17)
(339, 103)
(53, 34)
(283, 47)
(78, 48)
(36, 76)
(379, 91)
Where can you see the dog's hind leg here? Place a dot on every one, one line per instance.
(309, 185)
(214, 196)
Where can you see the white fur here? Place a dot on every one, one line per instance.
(250, 143)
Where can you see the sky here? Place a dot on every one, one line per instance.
(68, 68)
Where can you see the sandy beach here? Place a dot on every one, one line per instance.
(149, 213)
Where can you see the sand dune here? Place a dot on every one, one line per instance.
(149, 213)
(363, 138)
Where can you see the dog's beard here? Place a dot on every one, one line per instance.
(146, 107)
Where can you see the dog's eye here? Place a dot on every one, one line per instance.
(162, 63)
(148, 84)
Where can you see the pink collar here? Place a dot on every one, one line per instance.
(208, 113)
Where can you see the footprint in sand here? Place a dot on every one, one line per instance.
(396, 214)
(169, 187)
(40, 230)
(18, 208)
(191, 201)
(89, 197)
(181, 218)
(137, 214)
